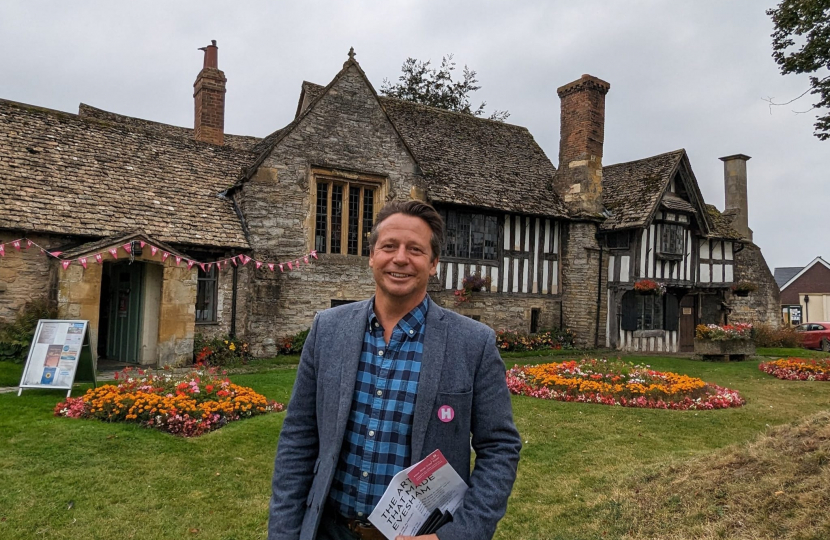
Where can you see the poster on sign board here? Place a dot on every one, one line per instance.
(54, 355)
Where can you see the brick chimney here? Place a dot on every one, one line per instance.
(209, 97)
(582, 132)
(734, 182)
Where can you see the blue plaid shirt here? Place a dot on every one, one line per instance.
(376, 445)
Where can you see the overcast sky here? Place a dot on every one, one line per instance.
(687, 75)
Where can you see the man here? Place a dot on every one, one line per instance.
(383, 383)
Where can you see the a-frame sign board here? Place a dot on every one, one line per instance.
(60, 355)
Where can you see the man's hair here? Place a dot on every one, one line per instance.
(416, 209)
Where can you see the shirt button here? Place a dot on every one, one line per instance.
(376, 325)
(411, 332)
(371, 433)
(360, 514)
(380, 353)
(365, 474)
(380, 392)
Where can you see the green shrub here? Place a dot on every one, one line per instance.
(16, 336)
(769, 336)
(294, 344)
(219, 351)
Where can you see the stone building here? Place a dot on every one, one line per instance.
(199, 231)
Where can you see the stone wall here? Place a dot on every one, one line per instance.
(79, 295)
(345, 134)
(177, 315)
(504, 311)
(25, 275)
(224, 303)
(764, 305)
(580, 268)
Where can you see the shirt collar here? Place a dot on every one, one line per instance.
(412, 323)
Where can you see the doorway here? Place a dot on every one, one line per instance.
(687, 324)
(121, 311)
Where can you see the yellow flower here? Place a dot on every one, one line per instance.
(232, 346)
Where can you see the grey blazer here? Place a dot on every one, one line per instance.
(461, 367)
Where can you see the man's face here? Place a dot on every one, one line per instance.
(401, 259)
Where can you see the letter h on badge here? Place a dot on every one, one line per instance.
(446, 413)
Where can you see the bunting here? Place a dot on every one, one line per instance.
(25, 243)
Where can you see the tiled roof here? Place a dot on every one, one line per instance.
(98, 177)
(786, 273)
(473, 161)
(721, 225)
(239, 142)
(631, 190)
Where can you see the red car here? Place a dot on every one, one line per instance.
(816, 335)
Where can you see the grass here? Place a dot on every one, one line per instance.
(581, 463)
(781, 352)
(10, 374)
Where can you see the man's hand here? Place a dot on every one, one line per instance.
(425, 537)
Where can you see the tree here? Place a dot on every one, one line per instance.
(808, 22)
(427, 85)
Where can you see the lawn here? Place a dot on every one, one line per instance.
(70, 479)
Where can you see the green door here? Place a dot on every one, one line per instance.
(125, 313)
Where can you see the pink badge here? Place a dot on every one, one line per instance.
(446, 413)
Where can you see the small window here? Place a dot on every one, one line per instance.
(671, 240)
(534, 320)
(617, 240)
(206, 294)
(470, 236)
(649, 312)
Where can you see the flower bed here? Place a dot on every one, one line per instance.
(618, 383)
(798, 369)
(512, 341)
(188, 405)
(726, 332)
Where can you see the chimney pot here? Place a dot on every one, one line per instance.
(734, 181)
(209, 99)
(582, 134)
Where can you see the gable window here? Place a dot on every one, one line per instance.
(344, 216)
(671, 240)
(207, 286)
(470, 236)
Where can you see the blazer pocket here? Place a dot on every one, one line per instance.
(454, 408)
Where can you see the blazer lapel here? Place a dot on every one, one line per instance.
(349, 340)
(435, 343)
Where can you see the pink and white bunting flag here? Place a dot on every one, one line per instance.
(281, 268)
(178, 260)
(209, 265)
(258, 264)
(142, 243)
(291, 266)
(233, 260)
(65, 264)
(2, 250)
(305, 259)
(218, 265)
(271, 266)
(297, 263)
(314, 253)
(202, 266)
(164, 256)
(128, 247)
(153, 250)
(28, 243)
(98, 258)
(16, 245)
(82, 260)
(113, 252)
(190, 264)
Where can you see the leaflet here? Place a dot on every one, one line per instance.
(428, 487)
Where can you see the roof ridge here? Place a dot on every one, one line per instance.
(448, 111)
(678, 151)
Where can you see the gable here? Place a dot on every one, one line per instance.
(468, 160)
(813, 278)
